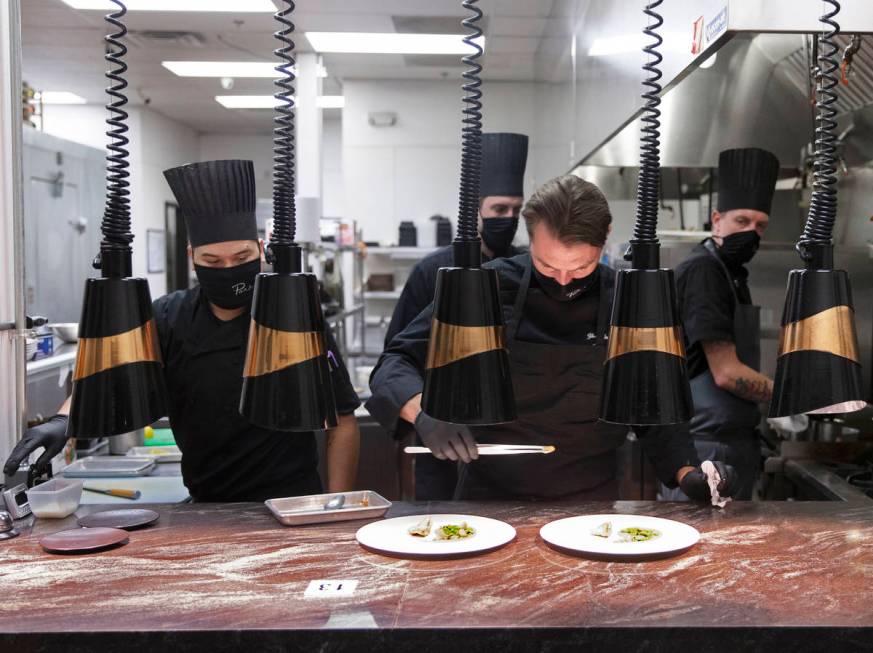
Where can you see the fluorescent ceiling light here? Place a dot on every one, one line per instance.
(248, 6)
(626, 43)
(269, 101)
(59, 97)
(390, 43)
(231, 69)
(222, 68)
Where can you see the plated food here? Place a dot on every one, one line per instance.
(424, 529)
(435, 536)
(620, 537)
(626, 534)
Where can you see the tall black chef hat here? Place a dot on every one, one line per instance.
(217, 200)
(504, 157)
(746, 179)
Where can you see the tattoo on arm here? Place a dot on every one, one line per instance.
(753, 389)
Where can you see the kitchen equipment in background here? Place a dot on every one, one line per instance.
(109, 467)
(67, 331)
(588, 536)
(121, 493)
(16, 501)
(84, 540)
(829, 428)
(443, 228)
(408, 235)
(121, 444)
(162, 454)
(7, 528)
(127, 519)
(297, 511)
(645, 378)
(392, 537)
(55, 499)
(30, 348)
(381, 282)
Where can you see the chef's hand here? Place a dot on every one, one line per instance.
(446, 440)
(695, 485)
(51, 434)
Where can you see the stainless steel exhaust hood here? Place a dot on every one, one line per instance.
(755, 92)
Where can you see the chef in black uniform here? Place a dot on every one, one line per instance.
(501, 193)
(722, 326)
(203, 334)
(556, 302)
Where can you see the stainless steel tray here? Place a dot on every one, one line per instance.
(109, 466)
(296, 511)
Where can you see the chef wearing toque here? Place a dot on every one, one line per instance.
(722, 326)
(501, 193)
(203, 333)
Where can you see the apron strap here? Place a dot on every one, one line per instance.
(518, 305)
(604, 310)
(709, 245)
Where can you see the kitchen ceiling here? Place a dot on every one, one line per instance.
(63, 50)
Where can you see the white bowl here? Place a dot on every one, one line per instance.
(55, 499)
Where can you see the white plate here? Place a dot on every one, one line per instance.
(574, 535)
(392, 537)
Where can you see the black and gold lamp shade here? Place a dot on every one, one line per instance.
(118, 380)
(645, 381)
(286, 378)
(467, 378)
(818, 369)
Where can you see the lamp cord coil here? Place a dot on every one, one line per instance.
(284, 210)
(823, 204)
(471, 133)
(648, 188)
(116, 216)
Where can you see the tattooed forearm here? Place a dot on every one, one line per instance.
(753, 389)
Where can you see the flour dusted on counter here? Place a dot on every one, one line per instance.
(714, 478)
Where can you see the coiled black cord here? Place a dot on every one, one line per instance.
(116, 216)
(823, 204)
(471, 133)
(284, 210)
(648, 188)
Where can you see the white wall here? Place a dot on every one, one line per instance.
(411, 170)
(333, 183)
(156, 143)
(257, 147)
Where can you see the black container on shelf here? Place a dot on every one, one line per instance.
(408, 235)
(443, 231)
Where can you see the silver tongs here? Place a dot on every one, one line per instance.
(497, 449)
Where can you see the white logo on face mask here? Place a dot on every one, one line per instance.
(240, 288)
(574, 292)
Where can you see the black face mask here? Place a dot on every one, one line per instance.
(573, 290)
(497, 234)
(229, 287)
(740, 247)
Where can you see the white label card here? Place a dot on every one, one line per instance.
(327, 589)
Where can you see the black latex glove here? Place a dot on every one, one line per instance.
(51, 434)
(446, 440)
(694, 483)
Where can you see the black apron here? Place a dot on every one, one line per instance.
(724, 426)
(557, 395)
(718, 414)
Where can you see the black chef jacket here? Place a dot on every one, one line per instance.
(398, 376)
(706, 303)
(420, 287)
(226, 458)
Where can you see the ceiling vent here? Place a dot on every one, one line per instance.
(163, 38)
(433, 24)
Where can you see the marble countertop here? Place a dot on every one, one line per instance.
(224, 576)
